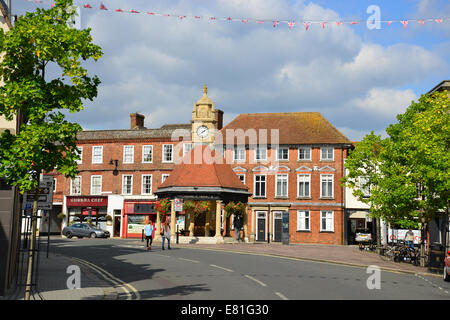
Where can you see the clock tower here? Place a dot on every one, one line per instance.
(206, 120)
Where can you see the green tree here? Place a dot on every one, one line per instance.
(407, 173)
(421, 140)
(45, 141)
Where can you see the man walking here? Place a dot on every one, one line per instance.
(149, 234)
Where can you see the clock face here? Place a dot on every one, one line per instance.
(202, 131)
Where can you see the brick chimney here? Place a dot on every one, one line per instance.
(137, 121)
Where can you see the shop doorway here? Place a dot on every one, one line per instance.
(261, 226)
(117, 221)
(277, 225)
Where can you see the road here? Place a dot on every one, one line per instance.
(195, 274)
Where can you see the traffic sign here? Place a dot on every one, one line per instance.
(45, 195)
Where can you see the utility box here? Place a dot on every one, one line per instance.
(436, 257)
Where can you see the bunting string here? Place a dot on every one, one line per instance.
(291, 23)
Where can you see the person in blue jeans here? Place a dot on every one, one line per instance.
(149, 234)
(409, 238)
(166, 235)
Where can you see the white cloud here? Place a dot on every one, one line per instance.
(158, 65)
(388, 102)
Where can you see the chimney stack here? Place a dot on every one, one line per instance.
(137, 121)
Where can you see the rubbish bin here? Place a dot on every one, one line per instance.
(436, 257)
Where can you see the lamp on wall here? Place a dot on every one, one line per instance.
(116, 162)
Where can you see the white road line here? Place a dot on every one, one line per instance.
(283, 297)
(229, 270)
(256, 280)
(112, 278)
(194, 261)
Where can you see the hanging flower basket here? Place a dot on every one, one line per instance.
(235, 208)
(163, 206)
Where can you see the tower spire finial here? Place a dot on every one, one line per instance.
(205, 89)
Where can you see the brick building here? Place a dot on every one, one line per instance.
(294, 165)
(290, 162)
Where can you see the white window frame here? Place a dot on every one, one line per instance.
(92, 184)
(309, 152)
(301, 178)
(144, 153)
(285, 178)
(324, 177)
(71, 186)
(322, 149)
(241, 175)
(143, 185)
(123, 184)
(164, 177)
(127, 154)
(265, 186)
(302, 215)
(164, 153)
(81, 155)
(94, 154)
(278, 154)
(260, 149)
(329, 220)
(186, 150)
(239, 151)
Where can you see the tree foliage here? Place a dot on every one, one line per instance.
(45, 141)
(408, 172)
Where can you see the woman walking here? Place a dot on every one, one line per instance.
(166, 235)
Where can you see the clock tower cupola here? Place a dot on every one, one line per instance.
(206, 120)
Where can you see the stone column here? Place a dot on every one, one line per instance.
(173, 220)
(218, 215)
(252, 235)
(158, 226)
(191, 224)
(207, 222)
(245, 224)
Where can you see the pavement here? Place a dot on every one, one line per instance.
(56, 279)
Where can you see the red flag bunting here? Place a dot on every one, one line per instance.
(389, 23)
(102, 7)
(306, 25)
(134, 11)
(244, 21)
(275, 23)
(291, 24)
(422, 22)
(323, 25)
(88, 6)
(438, 20)
(119, 10)
(404, 22)
(338, 23)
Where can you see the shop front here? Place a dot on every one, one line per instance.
(88, 209)
(136, 215)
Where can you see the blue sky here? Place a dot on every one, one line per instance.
(359, 79)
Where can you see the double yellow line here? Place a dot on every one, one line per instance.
(129, 290)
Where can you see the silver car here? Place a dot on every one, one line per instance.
(81, 230)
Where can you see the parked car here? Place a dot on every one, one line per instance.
(81, 230)
(363, 235)
(447, 267)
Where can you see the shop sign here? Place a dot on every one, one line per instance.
(87, 201)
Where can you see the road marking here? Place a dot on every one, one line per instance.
(256, 280)
(108, 276)
(431, 283)
(283, 297)
(195, 261)
(229, 270)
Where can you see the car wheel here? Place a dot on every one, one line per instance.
(446, 276)
(93, 235)
(69, 235)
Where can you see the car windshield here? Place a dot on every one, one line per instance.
(363, 231)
